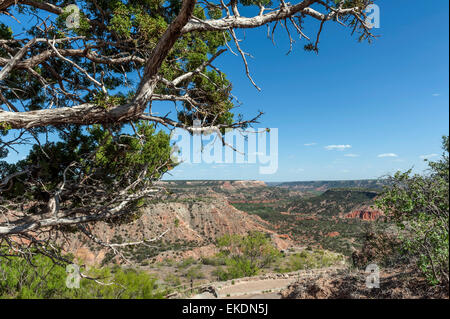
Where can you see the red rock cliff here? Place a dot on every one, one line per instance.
(365, 214)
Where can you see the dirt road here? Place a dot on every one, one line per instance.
(257, 287)
(262, 287)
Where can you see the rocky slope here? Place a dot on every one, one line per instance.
(190, 228)
(395, 283)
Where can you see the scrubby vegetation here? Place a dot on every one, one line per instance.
(309, 259)
(419, 204)
(312, 218)
(245, 256)
(40, 278)
(311, 185)
(142, 253)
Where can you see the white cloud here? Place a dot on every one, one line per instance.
(337, 147)
(436, 94)
(427, 156)
(310, 144)
(387, 155)
(345, 171)
(351, 155)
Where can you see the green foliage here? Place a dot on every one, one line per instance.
(3, 149)
(335, 201)
(127, 284)
(123, 28)
(311, 218)
(173, 280)
(121, 22)
(419, 204)
(262, 210)
(21, 280)
(194, 272)
(310, 260)
(44, 279)
(109, 101)
(239, 267)
(214, 261)
(186, 263)
(118, 157)
(246, 255)
(255, 2)
(124, 156)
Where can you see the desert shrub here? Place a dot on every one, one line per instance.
(172, 280)
(241, 267)
(195, 272)
(126, 284)
(217, 260)
(246, 255)
(382, 247)
(220, 273)
(44, 279)
(168, 262)
(310, 259)
(21, 280)
(419, 204)
(186, 263)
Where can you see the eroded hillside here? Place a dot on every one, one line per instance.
(188, 220)
(184, 226)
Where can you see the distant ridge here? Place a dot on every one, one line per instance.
(220, 183)
(297, 185)
(324, 185)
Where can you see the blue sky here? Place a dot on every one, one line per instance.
(389, 97)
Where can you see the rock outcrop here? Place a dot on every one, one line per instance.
(395, 283)
(365, 214)
(333, 234)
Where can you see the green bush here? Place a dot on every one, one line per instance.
(173, 280)
(127, 284)
(218, 260)
(310, 260)
(239, 267)
(419, 204)
(246, 255)
(220, 273)
(186, 263)
(44, 279)
(21, 280)
(195, 272)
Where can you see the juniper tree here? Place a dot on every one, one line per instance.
(90, 74)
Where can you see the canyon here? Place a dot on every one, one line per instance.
(187, 222)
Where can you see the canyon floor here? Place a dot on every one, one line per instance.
(325, 222)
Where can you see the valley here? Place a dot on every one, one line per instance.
(312, 225)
